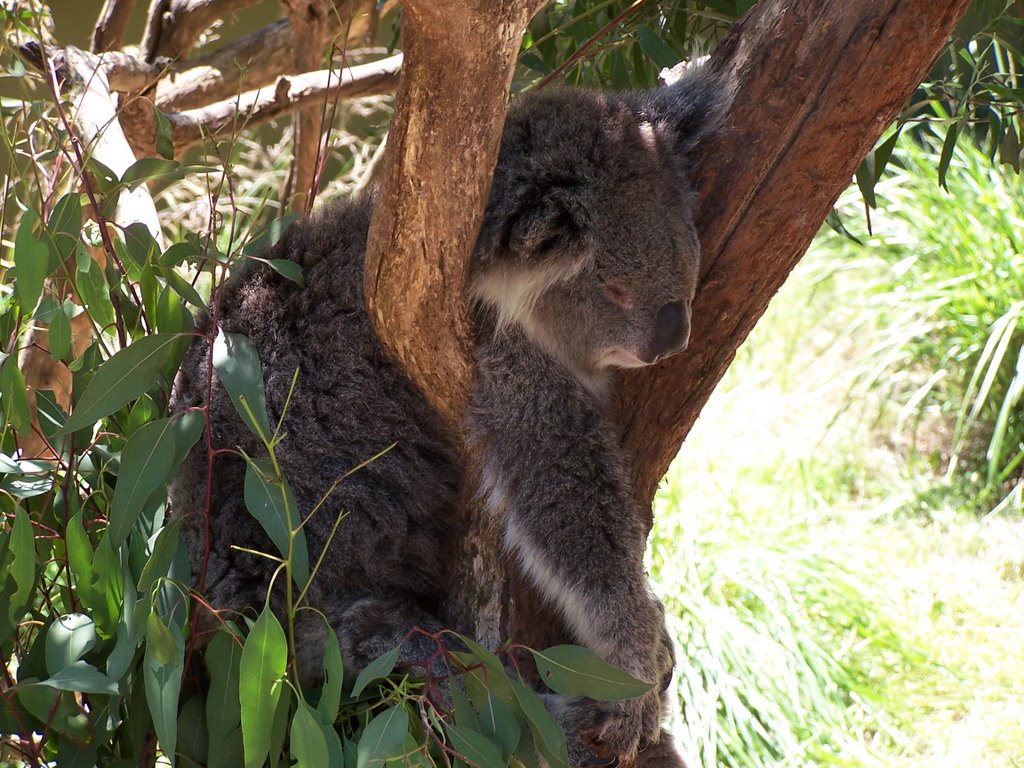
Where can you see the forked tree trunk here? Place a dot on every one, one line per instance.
(819, 80)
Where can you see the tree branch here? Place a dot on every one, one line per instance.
(308, 20)
(174, 26)
(819, 80)
(260, 106)
(254, 61)
(111, 25)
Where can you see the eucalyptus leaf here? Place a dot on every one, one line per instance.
(31, 262)
(547, 736)
(273, 504)
(121, 379)
(382, 738)
(377, 669)
(262, 664)
(575, 671)
(162, 667)
(82, 677)
(68, 639)
(308, 745)
(475, 747)
(238, 366)
(146, 464)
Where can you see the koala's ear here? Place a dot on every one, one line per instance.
(692, 109)
(545, 218)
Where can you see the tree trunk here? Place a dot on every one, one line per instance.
(442, 147)
(819, 80)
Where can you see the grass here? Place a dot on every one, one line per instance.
(836, 596)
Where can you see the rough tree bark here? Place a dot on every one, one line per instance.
(442, 147)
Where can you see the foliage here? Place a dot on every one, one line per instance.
(943, 268)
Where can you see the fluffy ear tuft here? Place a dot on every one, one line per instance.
(693, 108)
(542, 220)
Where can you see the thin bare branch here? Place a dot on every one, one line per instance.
(111, 25)
(309, 27)
(175, 25)
(255, 60)
(290, 93)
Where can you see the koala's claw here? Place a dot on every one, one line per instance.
(600, 734)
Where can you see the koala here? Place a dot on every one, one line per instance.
(586, 263)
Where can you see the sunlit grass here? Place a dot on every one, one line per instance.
(834, 600)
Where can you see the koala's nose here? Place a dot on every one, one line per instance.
(671, 330)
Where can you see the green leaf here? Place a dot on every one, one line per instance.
(238, 366)
(575, 671)
(108, 586)
(164, 135)
(657, 50)
(948, 145)
(308, 745)
(535, 62)
(83, 677)
(162, 668)
(65, 227)
(223, 711)
(53, 706)
(273, 504)
(79, 550)
(279, 726)
(330, 693)
(22, 546)
(269, 237)
(146, 464)
(498, 721)
(149, 168)
(547, 735)
(462, 709)
(94, 293)
(31, 262)
(121, 379)
(287, 269)
(126, 638)
(377, 669)
(262, 665)
(59, 336)
(161, 557)
(68, 639)
(193, 740)
(181, 286)
(382, 738)
(475, 747)
(15, 396)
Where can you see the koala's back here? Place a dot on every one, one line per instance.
(350, 402)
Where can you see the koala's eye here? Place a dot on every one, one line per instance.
(618, 294)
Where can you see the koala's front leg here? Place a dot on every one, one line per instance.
(552, 469)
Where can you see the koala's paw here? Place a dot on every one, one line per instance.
(606, 733)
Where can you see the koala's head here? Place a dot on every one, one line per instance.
(588, 242)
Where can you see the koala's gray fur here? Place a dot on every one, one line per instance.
(587, 260)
